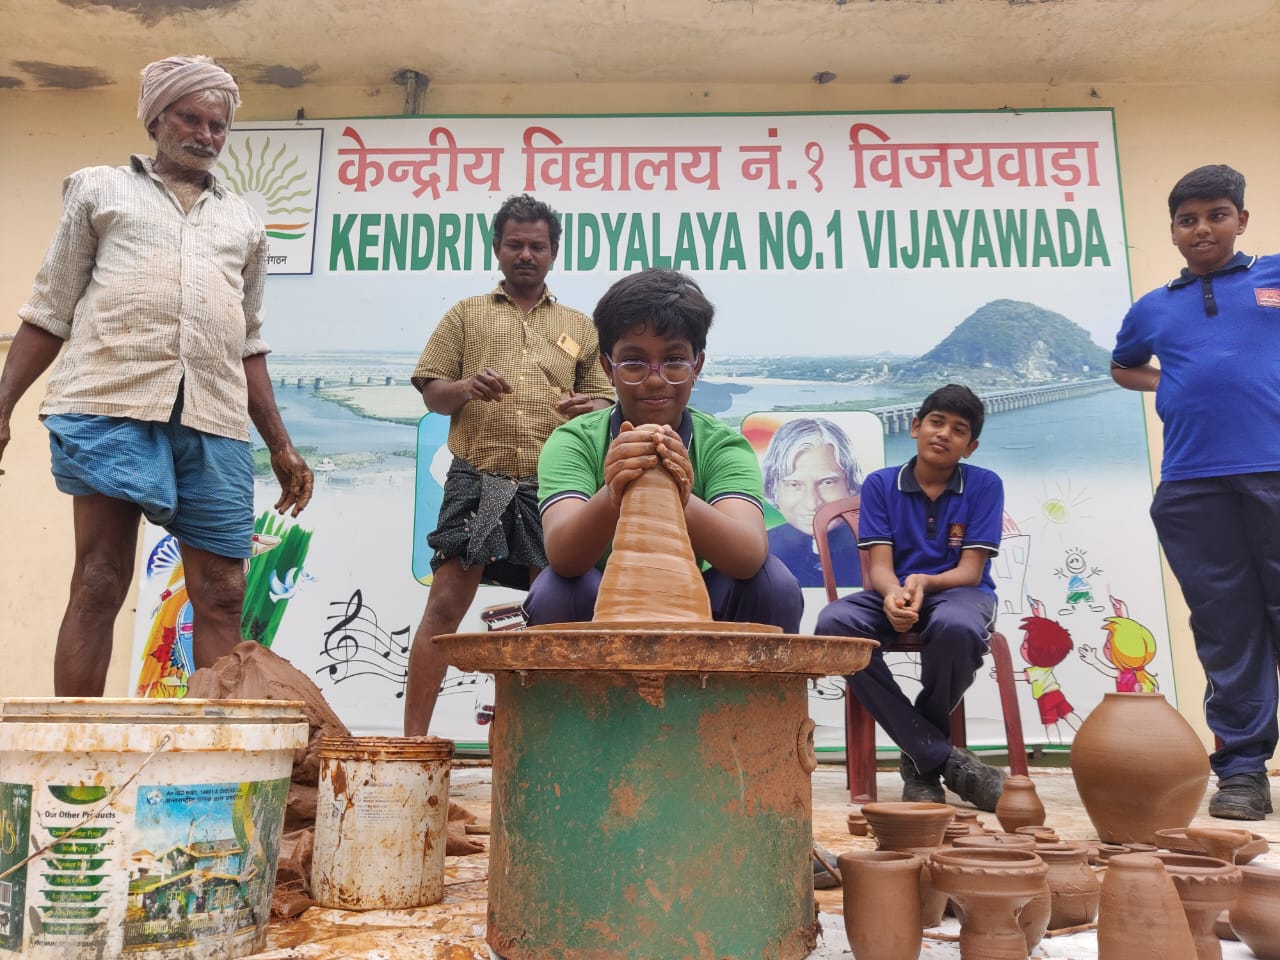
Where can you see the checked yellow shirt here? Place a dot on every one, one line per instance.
(542, 354)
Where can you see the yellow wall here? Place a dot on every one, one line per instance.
(1163, 131)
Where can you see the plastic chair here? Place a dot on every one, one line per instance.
(859, 725)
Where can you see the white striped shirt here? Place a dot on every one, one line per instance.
(149, 297)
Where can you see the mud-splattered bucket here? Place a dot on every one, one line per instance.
(381, 815)
(141, 828)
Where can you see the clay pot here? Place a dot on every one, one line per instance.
(913, 827)
(990, 886)
(1073, 885)
(1219, 839)
(908, 825)
(970, 819)
(1224, 843)
(857, 824)
(1019, 804)
(1140, 916)
(1255, 918)
(1041, 834)
(1206, 887)
(1169, 773)
(1005, 841)
(1033, 918)
(652, 574)
(882, 903)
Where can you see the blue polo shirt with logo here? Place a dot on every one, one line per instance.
(927, 536)
(1217, 337)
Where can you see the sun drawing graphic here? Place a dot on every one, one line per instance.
(271, 182)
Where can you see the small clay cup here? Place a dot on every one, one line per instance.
(882, 903)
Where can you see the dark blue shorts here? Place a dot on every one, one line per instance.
(196, 485)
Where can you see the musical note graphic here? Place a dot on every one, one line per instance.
(360, 646)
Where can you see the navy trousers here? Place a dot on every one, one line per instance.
(772, 596)
(1222, 538)
(954, 626)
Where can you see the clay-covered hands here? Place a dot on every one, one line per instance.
(675, 459)
(637, 449)
(488, 384)
(902, 606)
(632, 452)
(296, 480)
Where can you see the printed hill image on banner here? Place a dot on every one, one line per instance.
(856, 261)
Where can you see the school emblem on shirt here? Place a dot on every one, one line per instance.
(955, 534)
(1267, 296)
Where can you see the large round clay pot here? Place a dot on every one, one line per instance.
(1168, 770)
(990, 886)
(881, 903)
(1206, 886)
(1073, 885)
(909, 826)
(1019, 804)
(1140, 916)
(1255, 918)
(1033, 918)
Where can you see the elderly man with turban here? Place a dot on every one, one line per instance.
(154, 283)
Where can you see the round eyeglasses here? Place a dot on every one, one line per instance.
(636, 372)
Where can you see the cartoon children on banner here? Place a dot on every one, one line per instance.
(1046, 644)
(1129, 648)
(1076, 571)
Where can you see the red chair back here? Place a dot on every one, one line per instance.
(846, 509)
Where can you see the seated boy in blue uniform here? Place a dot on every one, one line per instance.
(931, 526)
(653, 329)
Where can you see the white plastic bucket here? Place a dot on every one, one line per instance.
(155, 825)
(381, 815)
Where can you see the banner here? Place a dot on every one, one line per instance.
(857, 262)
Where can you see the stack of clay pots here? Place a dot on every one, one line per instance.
(1008, 888)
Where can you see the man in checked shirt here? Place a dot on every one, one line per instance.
(154, 283)
(507, 368)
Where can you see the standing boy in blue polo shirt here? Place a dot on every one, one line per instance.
(1216, 331)
(931, 527)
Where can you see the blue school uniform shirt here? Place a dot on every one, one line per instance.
(1218, 341)
(928, 536)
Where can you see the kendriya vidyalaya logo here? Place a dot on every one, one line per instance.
(271, 174)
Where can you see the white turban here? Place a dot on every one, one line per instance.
(171, 79)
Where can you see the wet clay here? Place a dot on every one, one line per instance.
(652, 574)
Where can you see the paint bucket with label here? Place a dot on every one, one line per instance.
(146, 828)
(381, 815)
